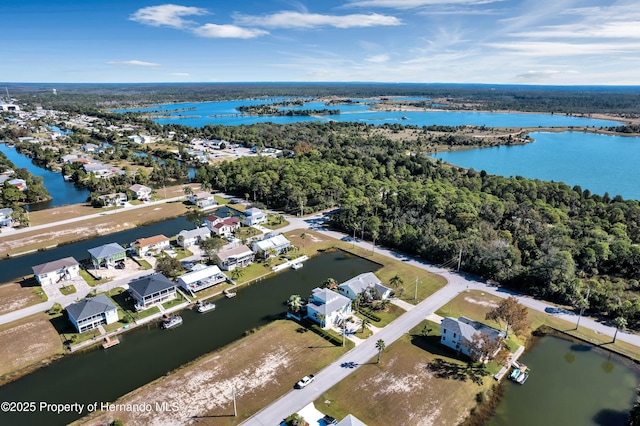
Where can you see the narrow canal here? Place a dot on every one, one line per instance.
(12, 268)
(149, 352)
(62, 192)
(570, 384)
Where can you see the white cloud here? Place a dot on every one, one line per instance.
(378, 59)
(227, 31)
(180, 74)
(544, 48)
(134, 63)
(544, 75)
(166, 15)
(291, 19)
(412, 4)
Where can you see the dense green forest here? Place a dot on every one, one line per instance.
(556, 99)
(543, 238)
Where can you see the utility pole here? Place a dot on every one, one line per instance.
(235, 410)
(415, 294)
(582, 308)
(459, 260)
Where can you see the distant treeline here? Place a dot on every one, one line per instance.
(544, 238)
(564, 100)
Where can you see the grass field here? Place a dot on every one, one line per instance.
(475, 305)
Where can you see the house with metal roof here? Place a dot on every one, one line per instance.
(201, 279)
(56, 271)
(367, 283)
(327, 306)
(254, 216)
(89, 313)
(203, 199)
(5, 217)
(151, 289)
(455, 333)
(107, 255)
(237, 257)
(193, 236)
(276, 245)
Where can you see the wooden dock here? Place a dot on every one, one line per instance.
(109, 342)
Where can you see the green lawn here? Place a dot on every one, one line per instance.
(92, 282)
(275, 222)
(174, 302)
(40, 294)
(68, 289)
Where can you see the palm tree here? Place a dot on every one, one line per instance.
(380, 346)
(304, 237)
(396, 281)
(187, 190)
(294, 303)
(236, 274)
(366, 324)
(321, 319)
(618, 323)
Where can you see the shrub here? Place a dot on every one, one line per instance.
(370, 315)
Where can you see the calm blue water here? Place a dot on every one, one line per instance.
(63, 192)
(600, 163)
(199, 114)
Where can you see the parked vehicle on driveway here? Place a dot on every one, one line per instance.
(304, 381)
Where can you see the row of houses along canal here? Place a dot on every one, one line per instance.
(148, 352)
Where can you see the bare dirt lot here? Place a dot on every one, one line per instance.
(107, 224)
(25, 343)
(261, 367)
(13, 296)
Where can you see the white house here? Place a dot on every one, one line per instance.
(222, 226)
(203, 199)
(254, 216)
(327, 307)
(56, 271)
(5, 217)
(155, 244)
(367, 282)
(277, 244)
(201, 279)
(89, 313)
(455, 332)
(193, 236)
(237, 257)
(110, 200)
(21, 184)
(140, 192)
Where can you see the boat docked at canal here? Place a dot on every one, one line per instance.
(205, 307)
(171, 321)
(229, 294)
(296, 265)
(520, 374)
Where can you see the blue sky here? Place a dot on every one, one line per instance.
(560, 42)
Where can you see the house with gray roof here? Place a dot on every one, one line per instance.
(254, 216)
(351, 420)
(202, 278)
(5, 217)
(277, 244)
(327, 306)
(89, 313)
(140, 192)
(236, 257)
(368, 283)
(56, 271)
(193, 236)
(456, 332)
(107, 255)
(152, 289)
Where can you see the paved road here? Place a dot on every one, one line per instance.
(456, 283)
(13, 231)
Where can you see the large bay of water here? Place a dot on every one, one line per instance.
(61, 191)
(199, 114)
(149, 352)
(570, 384)
(600, 163)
